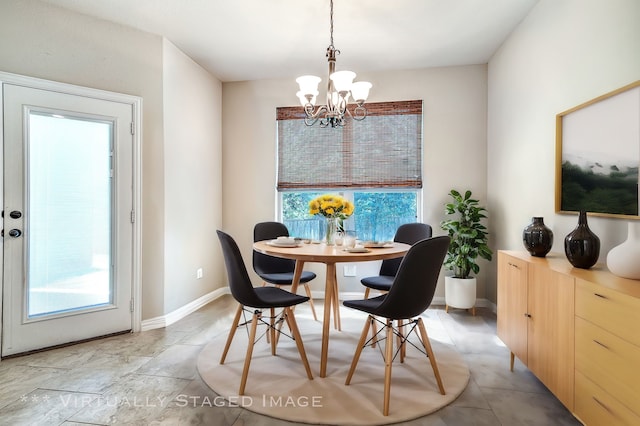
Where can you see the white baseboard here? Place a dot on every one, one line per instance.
(178, 314)
(437, 301)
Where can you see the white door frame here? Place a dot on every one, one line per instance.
(136, 103)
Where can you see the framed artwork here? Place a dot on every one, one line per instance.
(598, 154)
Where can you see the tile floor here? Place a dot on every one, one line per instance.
(150, 378)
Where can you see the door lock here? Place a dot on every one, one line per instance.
(15, 214)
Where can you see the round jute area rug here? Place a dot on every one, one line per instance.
(278, 386)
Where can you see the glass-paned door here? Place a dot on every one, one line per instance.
(67, 210)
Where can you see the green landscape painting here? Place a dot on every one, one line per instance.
(598, 154)
(611, 189)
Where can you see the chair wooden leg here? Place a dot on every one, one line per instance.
(374, 334)
(388, 361)
(272, 330)
(432, 358)
(401, 345)
(356, 356)
(232, 332)
(367, 290)
(512, 361)
(313, 309)
(278, 328)
(293, 326)
(249, 354)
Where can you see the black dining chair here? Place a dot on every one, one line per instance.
(409, 233)
(252, 301)
(275, 270)
(409, 296)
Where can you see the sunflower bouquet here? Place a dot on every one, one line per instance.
(335, 209)
(331, 206)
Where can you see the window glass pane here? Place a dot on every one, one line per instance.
(379, 214)
(376, 217)
(69, 201)
(295, 215)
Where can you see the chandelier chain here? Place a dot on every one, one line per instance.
(331, 22)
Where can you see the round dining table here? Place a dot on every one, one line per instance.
(329, 255)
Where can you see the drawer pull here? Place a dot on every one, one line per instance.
(514, 265)
(602, 296)
(601, 404)
(601, 344)
(527, 315)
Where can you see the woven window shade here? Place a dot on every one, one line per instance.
(382, 151)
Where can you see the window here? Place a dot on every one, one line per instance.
(376, 163)
(376, 217)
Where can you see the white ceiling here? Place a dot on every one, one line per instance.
(255, 39)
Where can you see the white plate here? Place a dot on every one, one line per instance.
(356, 250)
(384, 244)
(275, 243)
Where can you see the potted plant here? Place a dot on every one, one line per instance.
(469, 239)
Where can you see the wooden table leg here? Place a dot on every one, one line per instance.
(326, 320)
(297, 273)
(337, 324)
(295, 283)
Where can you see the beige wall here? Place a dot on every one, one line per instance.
(455, 102)
(192, 179)
(39, 40)
(564, 53)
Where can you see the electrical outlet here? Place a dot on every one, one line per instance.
(199, 273)
(349, 270)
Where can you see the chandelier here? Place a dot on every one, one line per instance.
(340, 86)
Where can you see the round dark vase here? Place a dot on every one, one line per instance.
(537, 238)
(582, 246)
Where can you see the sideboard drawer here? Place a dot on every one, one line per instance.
(596, 407)
(615, 312)
(610, 362)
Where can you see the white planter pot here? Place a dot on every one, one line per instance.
(460, 293)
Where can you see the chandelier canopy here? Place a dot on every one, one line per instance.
(340, 86)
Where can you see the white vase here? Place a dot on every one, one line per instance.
(624, 260)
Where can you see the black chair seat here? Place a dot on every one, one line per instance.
(274, 297)
(285, 278)
(380, 282)
(369, 306)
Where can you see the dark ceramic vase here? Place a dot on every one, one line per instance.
(582, 246)
(537, 238)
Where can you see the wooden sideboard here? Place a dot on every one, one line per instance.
(577, 330)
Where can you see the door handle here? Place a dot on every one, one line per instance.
(15, 233)
(15, 214)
